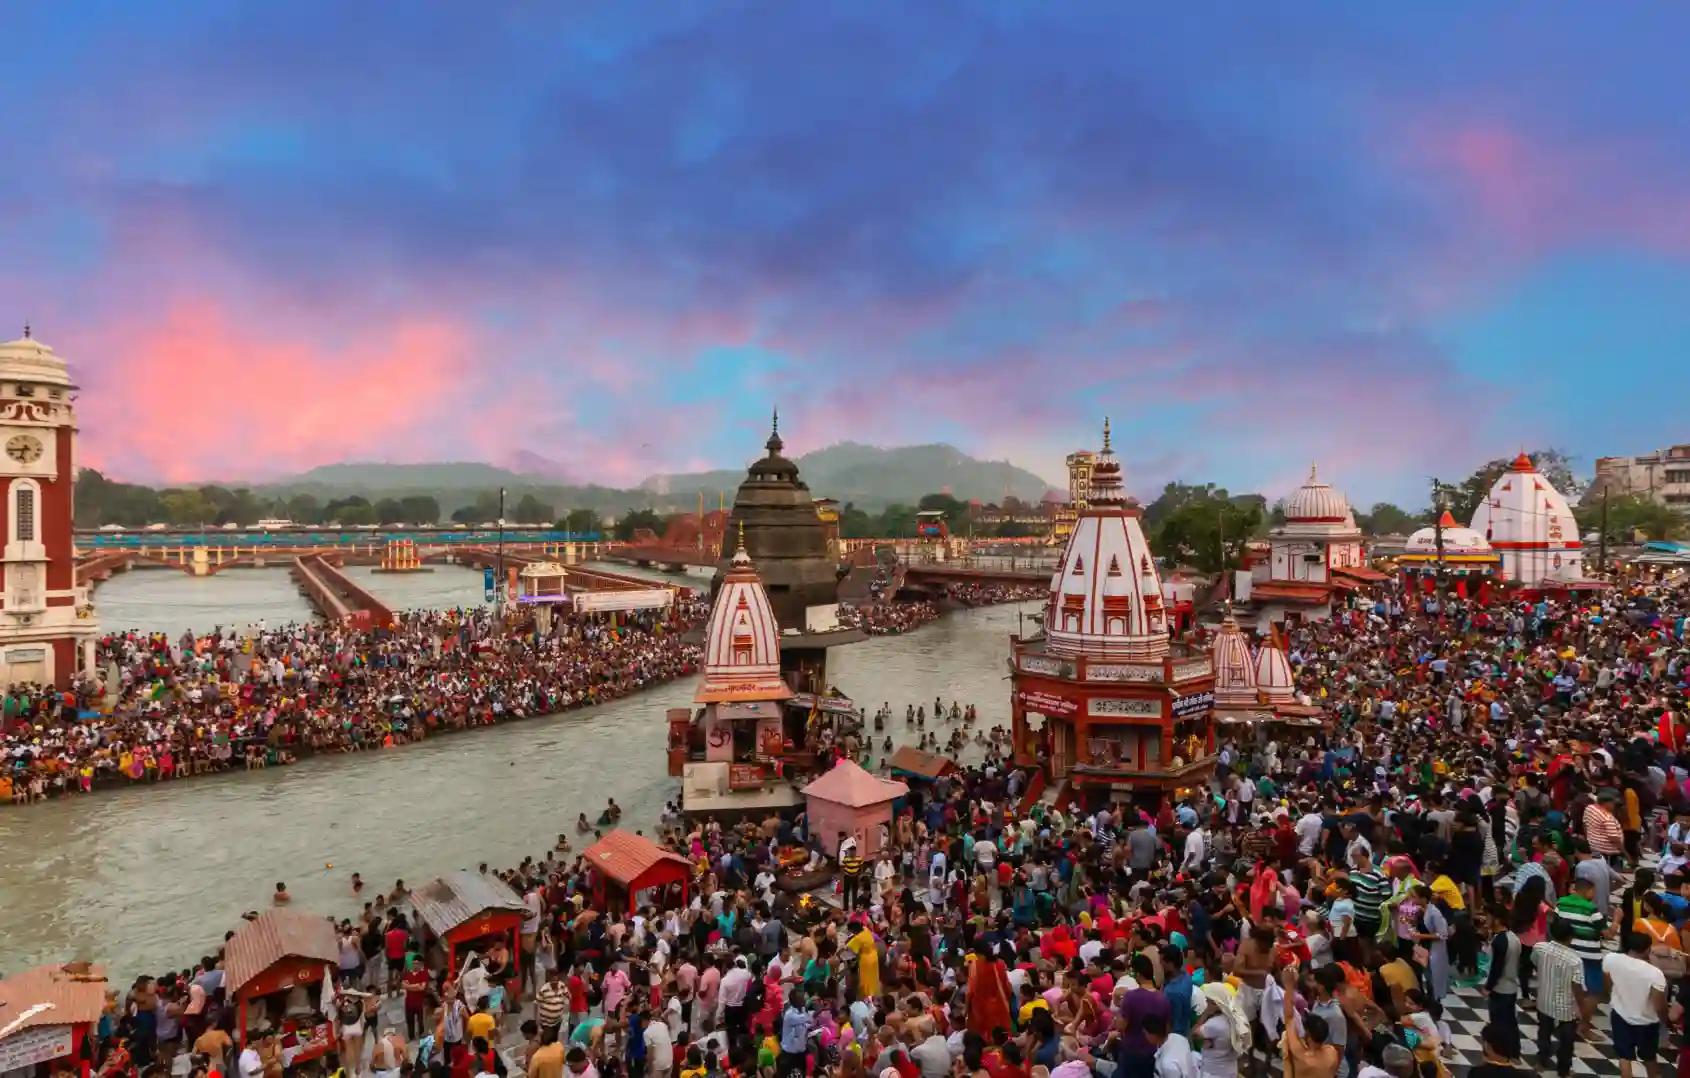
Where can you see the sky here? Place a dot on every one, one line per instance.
(1396, 240)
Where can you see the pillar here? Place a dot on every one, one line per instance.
(201, 562)
(1018, 733)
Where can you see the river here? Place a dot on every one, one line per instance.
(149, 878)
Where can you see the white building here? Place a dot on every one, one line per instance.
(1530, 526)
(1316, 552)
(1662, 476)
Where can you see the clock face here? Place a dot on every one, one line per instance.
(24, 448)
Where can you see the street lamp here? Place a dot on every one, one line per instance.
(499, 579)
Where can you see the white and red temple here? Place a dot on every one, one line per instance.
(1313, 557)
(1531, 528)
(1254, 691)
(1123, 711)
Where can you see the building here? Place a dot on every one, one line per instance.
(1314, 557)
(789, 542)
(1080, 466)
(1255, 693)
(1123, 710)
(1662, 476)
(1530, 526)
(1466, 554)
(47, 626)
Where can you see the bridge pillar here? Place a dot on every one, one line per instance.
(202, 562)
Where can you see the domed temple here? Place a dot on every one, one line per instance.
(788, 540)
(1124, 709)
(1315, 559)
(1530, 526)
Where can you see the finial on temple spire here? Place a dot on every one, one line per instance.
(1106, 434)
(26, 330)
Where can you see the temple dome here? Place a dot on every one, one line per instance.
(28, 360)
(1106, 597)
(1459, 542)
(742, 641)
(1531, 527)
(1273, 674)
(1318, 502)
(1235, 672)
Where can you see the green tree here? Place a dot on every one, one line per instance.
(531, 510)
(303, 509)
(1207, 531)
(955, 511)
(186, 507)
(1387, 519)
(897, 522)
(1631, 516)
(580, 521)
(350, 511)
(99, 501)
(1014, 529)
(419, 509)
(634, 520)
(389, 511)
(856, 524)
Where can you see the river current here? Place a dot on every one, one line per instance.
(149, 878)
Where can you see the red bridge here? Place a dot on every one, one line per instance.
(337, 597)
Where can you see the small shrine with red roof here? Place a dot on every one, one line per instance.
(1529, 525)
(1314, 558)
(1104, 699)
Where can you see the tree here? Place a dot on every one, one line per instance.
(186, 508)
(1194, 533)
(1387, 519)
(580, 522)
(954, 510)
(1631, 515)
(1014, 529)
(350, 511)
(419, 509)
(1463, 498)
(389, 511)
(856, 524)
(105, 501)
(531, 510)
(303, 509)
(634, 520)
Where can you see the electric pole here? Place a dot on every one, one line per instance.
(499, 577)
(1438, 534)
(1602, 537)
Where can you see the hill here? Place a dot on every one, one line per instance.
(874, 477)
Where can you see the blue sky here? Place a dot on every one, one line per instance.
(1397, 240)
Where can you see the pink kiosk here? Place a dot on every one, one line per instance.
(851, 800)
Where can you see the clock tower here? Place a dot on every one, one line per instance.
(47, 626)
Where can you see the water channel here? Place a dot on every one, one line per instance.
(150, 877)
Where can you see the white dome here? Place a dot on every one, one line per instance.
(1273, 674)
(1106, 596)
(742, 643)
(1459, 542)
(1316, 502)
(1530, 526)
(28, 360)
(1235, 672)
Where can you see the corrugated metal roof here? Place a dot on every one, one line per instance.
(75, 992)
(625, 856)
(926, 764)
(273, 935)
(460, 897)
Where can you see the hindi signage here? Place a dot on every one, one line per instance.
(1123, 672)
(32, 1046)
(1046, 704)
(1186, 706)
(1193, 669)
(1136, 708)
(1044, 664)
(746, 776)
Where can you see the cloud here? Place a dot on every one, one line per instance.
(197, 395)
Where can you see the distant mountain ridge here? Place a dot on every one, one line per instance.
(874, 476)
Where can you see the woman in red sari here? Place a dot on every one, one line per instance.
(988, 995)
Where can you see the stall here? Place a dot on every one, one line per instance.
(270, 963)
(46, 1015)
(913, 765)
(850, 800)
(633, 863)
(466, 910)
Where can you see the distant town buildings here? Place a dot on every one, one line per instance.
(1662, 476)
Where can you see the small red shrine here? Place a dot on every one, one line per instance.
(1104, 699)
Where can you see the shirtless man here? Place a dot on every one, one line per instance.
(1307, 1055)
(1253, 965)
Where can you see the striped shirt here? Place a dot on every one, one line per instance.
(550, 1004)
(1558, 969)
(1587, 923)
(1371, 891)
(1603, 830)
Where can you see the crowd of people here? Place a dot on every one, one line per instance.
(169, 709)
(992, 594)
(889, 618)
(1499, 798)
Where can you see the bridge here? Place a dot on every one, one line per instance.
(659, 555)
(337, 597)
(204, 559)
(577, 577)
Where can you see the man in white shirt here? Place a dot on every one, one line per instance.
(731, 997)
(1174, 1057)
(659, 1050)
(1638, 994)
(1196, 849)
(1308, 832)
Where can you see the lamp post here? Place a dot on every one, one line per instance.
(499, 577)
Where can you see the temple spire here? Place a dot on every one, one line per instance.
(740, 556)
(774, 444)
(1106, 434)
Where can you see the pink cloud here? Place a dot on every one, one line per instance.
(194, 394)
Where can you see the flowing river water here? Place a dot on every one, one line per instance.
(149, 878)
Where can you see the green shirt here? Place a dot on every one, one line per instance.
(1587, 923)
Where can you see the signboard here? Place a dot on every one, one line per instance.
(828, 705)
(1123, 672)
(632, 599)
(746, 776)
(488, 585)
(32, 1046)
(1151, 709)
(1191, 669)
(1041, 664)
(1185, 706)
(1046, 704)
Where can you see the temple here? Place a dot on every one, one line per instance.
(1315, 558)
(1446, 549)
(1255, 694)
(1123, 710)
(1530, 526)
(789, 541)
